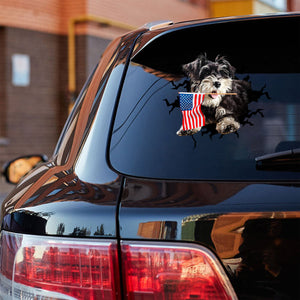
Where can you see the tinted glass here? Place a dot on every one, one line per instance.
(144, 141)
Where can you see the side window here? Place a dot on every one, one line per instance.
(93, 152)
(247, 102)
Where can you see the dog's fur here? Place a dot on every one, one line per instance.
(226, 111)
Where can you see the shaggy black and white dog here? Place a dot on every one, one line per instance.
(216, 78)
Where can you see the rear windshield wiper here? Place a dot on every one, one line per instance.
(288, 160)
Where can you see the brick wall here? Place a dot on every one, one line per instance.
(294, 5)
(35, 14)
(32, 114)
(88, 53)
(2, 88)
(53, 15)
(137, 12)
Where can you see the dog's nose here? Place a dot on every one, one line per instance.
(217, 84)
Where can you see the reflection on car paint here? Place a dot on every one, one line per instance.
(54, 209)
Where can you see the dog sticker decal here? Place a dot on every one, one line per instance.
(224, 99)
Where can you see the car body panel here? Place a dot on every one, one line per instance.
(252, 227)
(155, 201)
(67, 207)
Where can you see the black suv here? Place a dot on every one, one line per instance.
(133, 206)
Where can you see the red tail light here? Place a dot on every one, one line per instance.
(58, 268)
(165, 271)
(33, 267)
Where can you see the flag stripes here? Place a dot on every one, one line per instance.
(190, 105)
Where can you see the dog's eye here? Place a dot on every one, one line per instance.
(224, 73)
(204, 73)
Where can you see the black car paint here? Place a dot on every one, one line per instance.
(261, 217)
(252, 227)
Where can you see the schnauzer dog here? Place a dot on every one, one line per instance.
(216, 80)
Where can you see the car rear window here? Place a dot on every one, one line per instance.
(144, 139)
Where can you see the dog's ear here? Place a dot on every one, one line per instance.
(193, 68)
(203, 59)
(190, 69)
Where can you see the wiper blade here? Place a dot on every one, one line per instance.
(288, 154)
(288, 160)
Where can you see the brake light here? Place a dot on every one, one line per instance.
(59, 268)
(162, 271)
(34, 267)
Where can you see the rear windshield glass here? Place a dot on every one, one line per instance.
(242, 103)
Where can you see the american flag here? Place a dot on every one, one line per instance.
(190, 105)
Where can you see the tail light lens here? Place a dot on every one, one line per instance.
(166, 271)
(33, 267)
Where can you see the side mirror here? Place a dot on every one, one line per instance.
(15, 169)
